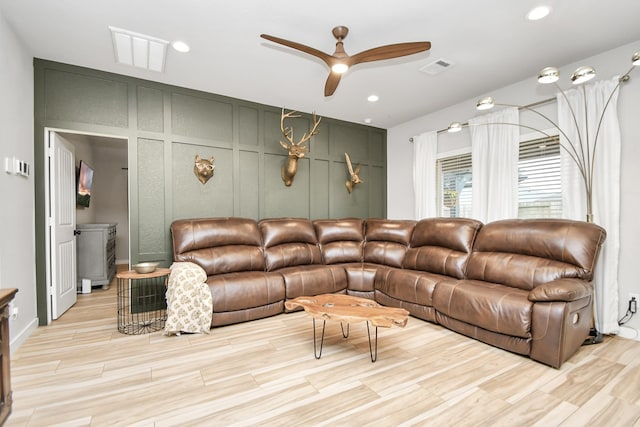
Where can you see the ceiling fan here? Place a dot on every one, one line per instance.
(340, 62)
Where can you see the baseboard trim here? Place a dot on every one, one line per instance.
(629, 333)
(21, 336)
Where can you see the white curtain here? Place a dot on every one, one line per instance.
(425, 150)
(494, 153)
(606, 184)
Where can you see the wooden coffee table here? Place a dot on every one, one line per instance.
(348, 309)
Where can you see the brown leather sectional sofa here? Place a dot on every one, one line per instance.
(521, 285)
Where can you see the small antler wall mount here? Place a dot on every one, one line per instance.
(354, 178)
(204, 168)
(296, 150)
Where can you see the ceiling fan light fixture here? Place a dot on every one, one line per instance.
(583, 74)
(548, 75)
(339, 68)
(485, 103)
(339, 62)
(635, 59)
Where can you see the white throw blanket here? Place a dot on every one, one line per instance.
(189, 301)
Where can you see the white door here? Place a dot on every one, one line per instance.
(62, 225)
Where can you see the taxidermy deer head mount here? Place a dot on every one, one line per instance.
(203, 168)
(353, 175)
(296, 149)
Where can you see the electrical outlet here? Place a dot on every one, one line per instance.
(13, 311)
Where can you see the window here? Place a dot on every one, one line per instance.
(539, 187)
(454, 185)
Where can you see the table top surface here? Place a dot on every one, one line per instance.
(349, 309)
(132, 274)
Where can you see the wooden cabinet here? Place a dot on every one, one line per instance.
(6, 296)
(96, 253)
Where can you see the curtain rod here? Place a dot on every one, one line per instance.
(523, 107)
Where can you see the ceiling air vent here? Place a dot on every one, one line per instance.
(437, 67)
(139, 50)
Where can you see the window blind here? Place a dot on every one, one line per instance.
(454, 186)
(539, 186)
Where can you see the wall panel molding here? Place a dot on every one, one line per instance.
(167, 125)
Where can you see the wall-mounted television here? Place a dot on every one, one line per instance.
(85, 180)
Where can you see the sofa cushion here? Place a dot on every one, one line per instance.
(442, 245)
(289, 242)
(361, 277)
(341, 240)
(490, 306)
(386, 241)
(527, 253)
(219, 245)
(408, 285)
(313, 280)
(239, 291)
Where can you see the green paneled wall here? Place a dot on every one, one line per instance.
(167, 126)
(151, 199)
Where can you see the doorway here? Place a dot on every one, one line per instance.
(107, 157)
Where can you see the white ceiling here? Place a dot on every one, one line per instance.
(489, 41)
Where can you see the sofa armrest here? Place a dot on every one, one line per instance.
(561, 290)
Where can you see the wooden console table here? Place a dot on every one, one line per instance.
(6, 296)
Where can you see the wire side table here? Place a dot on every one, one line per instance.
(142, 306)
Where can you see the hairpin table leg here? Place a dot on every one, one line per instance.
(374, 356)
(315, 353)
(343, 333)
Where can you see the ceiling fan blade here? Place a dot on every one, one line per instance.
(332, 83)
(389, 51)
(301, 47)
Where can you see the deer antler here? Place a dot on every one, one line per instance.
(314, 131)
(287, 132)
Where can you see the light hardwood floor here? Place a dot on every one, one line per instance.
(81, 371)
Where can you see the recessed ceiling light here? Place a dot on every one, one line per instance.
(367, 120)
(538, 13)
(373, 98)
(181, 46)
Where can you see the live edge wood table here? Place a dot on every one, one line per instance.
(348, 309)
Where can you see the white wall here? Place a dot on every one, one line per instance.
(400, 201)
(111, 192)
(17, 251)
